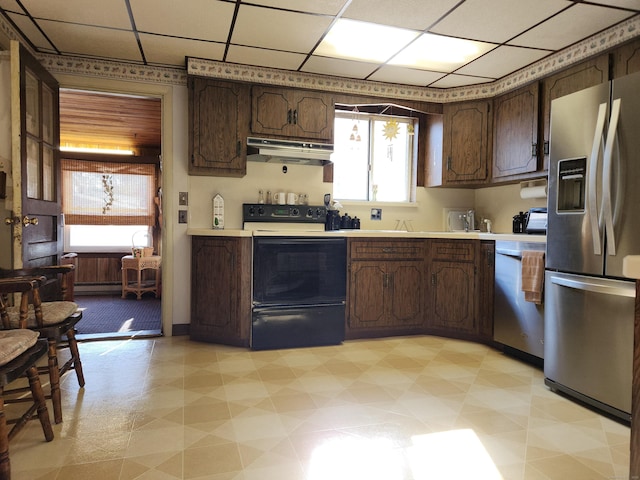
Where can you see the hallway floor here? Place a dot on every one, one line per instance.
(390, 409)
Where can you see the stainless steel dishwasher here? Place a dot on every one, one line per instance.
(518, 324)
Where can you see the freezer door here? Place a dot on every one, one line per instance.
(621, 176)
(588, 336)
(575, 235)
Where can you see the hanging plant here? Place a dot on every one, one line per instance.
(107, 186)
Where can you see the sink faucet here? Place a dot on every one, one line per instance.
(469, 220)
(465, 220)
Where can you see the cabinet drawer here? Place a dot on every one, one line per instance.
(447, 250)
(387, 250)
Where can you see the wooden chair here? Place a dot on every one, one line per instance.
(19, 352)
(53, 320)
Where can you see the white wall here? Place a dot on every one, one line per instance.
(501, 203)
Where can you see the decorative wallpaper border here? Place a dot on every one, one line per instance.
(590, 47)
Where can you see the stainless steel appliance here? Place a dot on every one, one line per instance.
(299, 277)
(592, 226)
(518, 324)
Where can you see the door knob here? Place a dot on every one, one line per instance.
(26, 221)
(12, 220)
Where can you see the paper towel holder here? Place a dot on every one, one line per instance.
(533, 189)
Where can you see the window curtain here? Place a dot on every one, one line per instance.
(108, 193)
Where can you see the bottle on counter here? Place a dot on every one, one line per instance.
(218, 212)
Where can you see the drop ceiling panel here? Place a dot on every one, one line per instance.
(502, 61)
(10, 5)
(400, 13)
(277, 29)
(32, 33)
(326, 7)
(453, 80)
(406, 76)
(496, 20)
(570, 26)
(339, 67)
(267, 58)
(203, 19)
(104, 13)
(105, 43)
(172, 51)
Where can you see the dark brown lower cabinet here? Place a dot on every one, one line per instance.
(221, 290)
(452, 295)
(385, 288)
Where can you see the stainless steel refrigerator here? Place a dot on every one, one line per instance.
(593, 223)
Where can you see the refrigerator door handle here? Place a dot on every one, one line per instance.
(593, 170)
(594, 287)
(606, 176)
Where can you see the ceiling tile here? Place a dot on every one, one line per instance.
(105, 13)
(267, 58)
(25, 24)
(10, 5)
(405, 76)
(453, 80)
(162, 50)
(326, 7)
(502, 61)
(496, 20)
(338, 67)
(278, 29)
(632, 4)
(105, 42)
(400, 13)
(203, 19)
(570, 26)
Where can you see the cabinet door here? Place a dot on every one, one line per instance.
(486, 281)
(581, 76)
(220, 301)
(292, 113)
(367, 297)
(626, 59)
(466, 142)
(453, 297)
(218, 127)
(515, 133)
(405, 289)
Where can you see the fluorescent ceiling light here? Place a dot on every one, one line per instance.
(439, 53)
(364, 41)
(110, 151)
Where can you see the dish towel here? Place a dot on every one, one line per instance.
(532, 276)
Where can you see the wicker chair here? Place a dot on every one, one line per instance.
(53, 320)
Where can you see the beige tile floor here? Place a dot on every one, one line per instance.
(390, 409)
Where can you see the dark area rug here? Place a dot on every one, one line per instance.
(110, 314)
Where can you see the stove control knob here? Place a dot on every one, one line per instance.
(318, 212)
(309, 212)
(251, 211)
(260, 211)
(295, 212)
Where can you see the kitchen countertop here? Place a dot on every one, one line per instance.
(209, 232)
(631, 266)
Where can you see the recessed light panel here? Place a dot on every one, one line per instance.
(364, 41)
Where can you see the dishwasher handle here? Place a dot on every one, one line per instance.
(509, 252)
(595, 287)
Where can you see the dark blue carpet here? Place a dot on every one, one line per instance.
(109, 314)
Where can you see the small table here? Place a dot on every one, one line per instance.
(129, 262)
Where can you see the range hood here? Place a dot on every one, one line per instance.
(288, 151)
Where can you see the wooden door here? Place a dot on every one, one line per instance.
(453, 296)
(37, 213)
(515, 137)
(367, 297)
(466, 142)
(218, 127)
(626, 59)
(313, 115)
(406, 293)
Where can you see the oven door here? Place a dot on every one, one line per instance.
(289, 271)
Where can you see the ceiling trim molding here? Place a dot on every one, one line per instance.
(63, 64)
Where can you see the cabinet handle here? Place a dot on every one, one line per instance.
(546, 148)
(289, 115)
(295, 117)
(534, 149)
(434, 279)
(387, 250)
(239, 148)
(489, 258)
(448, 163)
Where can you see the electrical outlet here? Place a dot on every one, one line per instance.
(376, 214)
(183, 198)
(182, 216)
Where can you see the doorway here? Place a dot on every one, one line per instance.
(112, 200)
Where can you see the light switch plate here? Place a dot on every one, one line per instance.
(183, 198)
